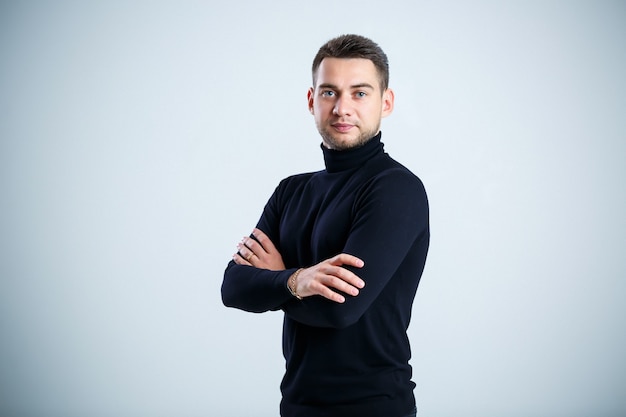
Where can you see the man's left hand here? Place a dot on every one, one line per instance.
(260, 253)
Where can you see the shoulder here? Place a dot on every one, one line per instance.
(392, 194)
(291, 184)
(296, 180)
(389, 176)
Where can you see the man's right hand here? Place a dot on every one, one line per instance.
(328, 276)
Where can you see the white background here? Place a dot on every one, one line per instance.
(140, 141)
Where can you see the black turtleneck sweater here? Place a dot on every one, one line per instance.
(348, 359)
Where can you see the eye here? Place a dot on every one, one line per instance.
(328, 93)
(361, 94)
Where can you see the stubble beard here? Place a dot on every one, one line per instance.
(342, 145)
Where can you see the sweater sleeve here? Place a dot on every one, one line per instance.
(390, 224)
(254, 289)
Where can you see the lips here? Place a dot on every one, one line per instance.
(342, 127)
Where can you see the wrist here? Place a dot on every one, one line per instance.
(292, 284)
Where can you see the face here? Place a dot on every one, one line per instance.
(347, 102)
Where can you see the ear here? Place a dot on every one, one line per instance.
(388, 98)
(309, 97)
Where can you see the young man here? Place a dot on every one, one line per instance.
(341, 251)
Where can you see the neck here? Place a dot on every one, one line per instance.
(343, 160)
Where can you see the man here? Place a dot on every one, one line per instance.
(341, 251)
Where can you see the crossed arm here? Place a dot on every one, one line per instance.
(324, 278)
(389, 231)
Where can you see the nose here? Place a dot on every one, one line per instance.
(342, 107)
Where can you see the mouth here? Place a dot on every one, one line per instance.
(342, 127)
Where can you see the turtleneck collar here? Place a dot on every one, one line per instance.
(337, 161)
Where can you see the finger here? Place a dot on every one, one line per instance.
(325, 285)
(345, 275)
(341, 285)
(326, 292)
(240, 260)
(346, 259)
(253, 246)
(245, 252)
(333, 296)
(265, 241)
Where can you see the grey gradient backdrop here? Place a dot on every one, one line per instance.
(140, 141)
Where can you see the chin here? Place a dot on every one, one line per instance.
(343, 144)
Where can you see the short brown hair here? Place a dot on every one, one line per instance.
(354, 46)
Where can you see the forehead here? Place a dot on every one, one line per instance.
(345, 72)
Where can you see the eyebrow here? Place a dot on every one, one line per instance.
(355, 86)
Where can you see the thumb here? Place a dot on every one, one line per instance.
(347, 259)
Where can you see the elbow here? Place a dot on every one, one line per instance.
(228, 297)
(231, 297)
(234, 299)
(228, 289)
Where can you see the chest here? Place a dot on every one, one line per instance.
(317, 219)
